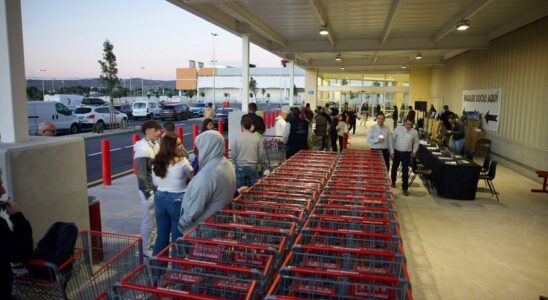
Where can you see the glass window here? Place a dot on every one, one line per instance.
(139, 105)
(61, 109)
(82, 110)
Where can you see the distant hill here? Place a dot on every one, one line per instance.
(135, 83)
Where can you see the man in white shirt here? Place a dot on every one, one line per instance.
(280, 123)
(406, 145)
(379, 138)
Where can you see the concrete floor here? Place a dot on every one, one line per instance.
(455, 249)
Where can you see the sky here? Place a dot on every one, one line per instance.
(65, 38)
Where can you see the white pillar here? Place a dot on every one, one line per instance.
(291, 82)
(245, 72)
(14, 126)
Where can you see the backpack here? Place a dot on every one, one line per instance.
(56, 247)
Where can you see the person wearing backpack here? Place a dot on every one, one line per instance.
(16, 242)
(296, 133)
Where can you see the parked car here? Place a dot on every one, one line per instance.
(146, 109)
(175, 112)
(54, 112)
(93, 101)
(126, 109)
(197, 109)
(221, 114)
(92, 115)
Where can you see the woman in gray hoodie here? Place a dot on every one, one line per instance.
(213, 187)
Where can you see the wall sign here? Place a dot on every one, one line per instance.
(487, 103)
(311, 92)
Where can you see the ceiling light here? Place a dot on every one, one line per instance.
(323, 30)
(338, 57)
(403, 67)
(463, 25)
(342, 68)
(419, 56)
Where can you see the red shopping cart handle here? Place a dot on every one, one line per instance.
(259, 213)
(362, 251)
(339, 273)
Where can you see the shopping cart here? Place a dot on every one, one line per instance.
(374, 215)
(320, 168)
(301, 283)
(367, 201)
(187, 280)
(275, 150)
(356, 224)
(286, 188)
(255, 219)
(266, 239)
(374, 243)
(303, 200)
(373, 183)
(270, 207)
(99, 260)
(345, 261)
(297, 177)
(356, 191)
(281, 172)
(308, 184)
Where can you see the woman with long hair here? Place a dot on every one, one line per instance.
(207, 125)
(170, 173)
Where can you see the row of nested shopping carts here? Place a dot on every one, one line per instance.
(350, 246)
(320, 226)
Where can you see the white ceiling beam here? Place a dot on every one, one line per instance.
(404, 44)
(238, 12)
(192, 2)
(381, 61)
(512, 25)
(303, 58)
(470, 11)
(453, 53)
(390, 19)
(322, 18)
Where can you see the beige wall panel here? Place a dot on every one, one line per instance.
(518, 64)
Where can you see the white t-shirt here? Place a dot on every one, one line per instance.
(175, 179)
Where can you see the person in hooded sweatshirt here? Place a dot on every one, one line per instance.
(213, 188)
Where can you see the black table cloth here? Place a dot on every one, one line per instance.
(458, 181)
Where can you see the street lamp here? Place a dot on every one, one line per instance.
(142, 85)
(43, 89)
(213, 61)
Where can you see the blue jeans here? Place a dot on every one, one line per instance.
(246, 175)
(457, 145)
(167, 210)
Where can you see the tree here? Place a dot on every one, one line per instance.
(263, 91)
(109, 74)
(33, 93)
(190, 93)
(295, 92)
(202, 94)
(344, 82)
(226, 95)
(253, 87)
(267, 97)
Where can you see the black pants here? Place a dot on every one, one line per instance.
(352, 127)
(324, 142)
(340, 143)
(395, 123)
(334, 143)
(405, 159)
(386, 156)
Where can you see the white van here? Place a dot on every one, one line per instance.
(55, 112)
(146, 109)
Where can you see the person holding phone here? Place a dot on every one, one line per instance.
(16, 241)
(379, 138)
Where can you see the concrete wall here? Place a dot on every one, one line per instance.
(518, 64)
(47, 176)
(311, 86)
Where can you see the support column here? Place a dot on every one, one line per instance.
(14, 125)
(245, 72)
(291, 82)
(311, 87)
(419, 84)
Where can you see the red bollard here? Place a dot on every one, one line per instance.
(220, 126)
(194, 135)
(273, 119)
(134, 139)
(105, 149)
(265, 119)
(226, 148)
(345, 140)
(180, 135)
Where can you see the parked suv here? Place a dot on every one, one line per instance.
(126, 109)
(146, 109)
(175, 112)
(221, 114)
(89, 116)
(197, 109)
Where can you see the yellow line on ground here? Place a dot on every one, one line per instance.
(114, 176)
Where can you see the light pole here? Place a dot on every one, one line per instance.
(142, 84)
(43, 88)
(213, 61)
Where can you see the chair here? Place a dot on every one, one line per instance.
(486, 163)
(483, 147)
(423, 173)
(489, 177)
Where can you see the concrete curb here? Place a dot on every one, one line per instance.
(87, 135)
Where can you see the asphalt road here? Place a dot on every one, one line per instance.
(121, 149)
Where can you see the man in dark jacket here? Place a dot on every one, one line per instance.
(296, 133)
(16, 242)
(258, 122)
(444, 117)
(411, 115)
